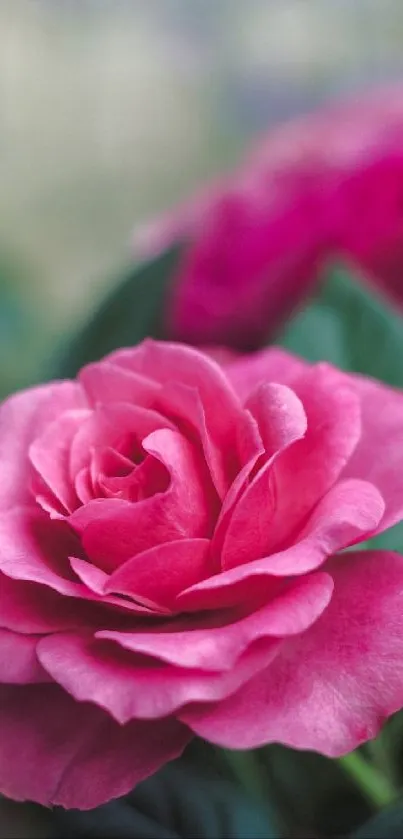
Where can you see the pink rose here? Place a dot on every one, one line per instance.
(172, 531)
(324, 185)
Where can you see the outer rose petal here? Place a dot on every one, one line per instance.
(22, 418)
(247, 372)
(31, 608)
(378, 456)
(18, 661)
(349, 512)
(331, 688)
(201, 642)
(105, 382)
(133, 687)
(309, 468)
(84, 757)
(299, 476)
(35, 549)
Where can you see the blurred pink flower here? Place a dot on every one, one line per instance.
(327, 184)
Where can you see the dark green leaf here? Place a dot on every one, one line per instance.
(385, 825)
(311, 793)
(184, 799)
(132, 311)
(350, 326)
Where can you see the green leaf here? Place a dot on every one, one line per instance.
(187, 798)
(388, 825)
(350, 326)
(131, 312)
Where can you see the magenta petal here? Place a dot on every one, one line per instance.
(332, 688)
(279, 414)
(193, 386)
(84, 757)
(18, 661)
(310, 467)
(31, 608)
(378, 455)
(22, 418)
(282, 421)
(36, 549)
(95, 580)
(247, 372)
(349, 512)
(106, 383)
(160, 573)
(215, 647)
(130, 686)
(50, 454)
(105, 428)
(114, 530)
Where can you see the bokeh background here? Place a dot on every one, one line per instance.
(111, 110)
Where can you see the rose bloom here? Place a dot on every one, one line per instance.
(173, 561)
(329, 184)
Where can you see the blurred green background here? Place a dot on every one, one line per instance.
(111, 110)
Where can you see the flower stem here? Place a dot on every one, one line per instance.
(374, 785)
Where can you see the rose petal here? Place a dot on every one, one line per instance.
(377, 457)
(332, 688)
(247, 372)
(114, 530)
(163, 571)
(309, 468)
(279, 414)
(106, 383)
(346, 515)
(193, 387)
(210, 647)
(107, 426)
(18, 661)
(96, 581)
(36, 549)
(50, 453)
(30, 608)
(83, 485)
(85, 758)
(22, 418)
(129, 686)
(282, 421)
